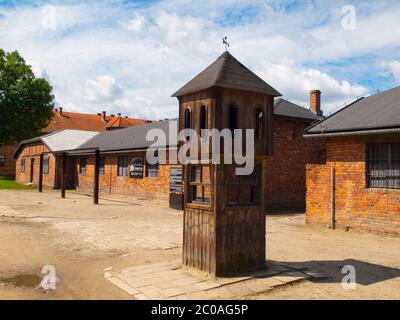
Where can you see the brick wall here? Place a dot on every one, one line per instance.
(285, 172)
(8, 168)
(110, 182)
(33, 151)
(357, 207)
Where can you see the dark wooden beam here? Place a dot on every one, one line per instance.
(63, 165)
(96, 177)
(40, 185)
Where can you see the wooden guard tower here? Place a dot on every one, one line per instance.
(224, 221)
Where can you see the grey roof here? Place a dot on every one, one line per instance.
(286, 108)
(62, 140)
(227, 72)
(67, 139)
(132, 138)
(379, 111)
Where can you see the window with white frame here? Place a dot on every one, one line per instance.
(82, 166)
(46, 165)
(102, 166)
(123, 166)
(136, 167)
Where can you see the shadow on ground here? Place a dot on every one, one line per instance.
(331, 271)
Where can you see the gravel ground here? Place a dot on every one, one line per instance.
(83, 241)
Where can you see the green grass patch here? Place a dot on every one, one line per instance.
(7, 183)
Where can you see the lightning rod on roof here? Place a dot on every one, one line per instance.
(225, 42)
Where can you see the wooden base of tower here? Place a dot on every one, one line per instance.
(221, 239)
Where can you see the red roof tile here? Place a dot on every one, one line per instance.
(90, 122)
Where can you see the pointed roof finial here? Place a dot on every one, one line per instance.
(225, 42)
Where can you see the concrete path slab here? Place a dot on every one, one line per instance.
(169, 280)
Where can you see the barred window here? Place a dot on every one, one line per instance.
(102, 166)
(123, 163)
(2, 159)
(136, 170)
(152, 170)
(22, 165)
(82, 166)
(384, 165)
(46, 165)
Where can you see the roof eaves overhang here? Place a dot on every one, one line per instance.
(351, 133)
(304, 119)
(181, 92)
(91, 151)
(25, 142)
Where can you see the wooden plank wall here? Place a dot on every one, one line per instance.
(199, 239)
(240, 239)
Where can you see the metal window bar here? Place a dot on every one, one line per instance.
(384, 165)
(152, 170)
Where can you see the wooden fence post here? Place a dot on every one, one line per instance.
(40, 186)
(333, 209)
(96, 177)
(63, 164)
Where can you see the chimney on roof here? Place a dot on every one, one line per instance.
(104, 115)
(315, 102)
(61, 111)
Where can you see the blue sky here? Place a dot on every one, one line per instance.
(130, 56)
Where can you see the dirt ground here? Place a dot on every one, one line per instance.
(82, 241)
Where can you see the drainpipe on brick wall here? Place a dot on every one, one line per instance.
(333, 213)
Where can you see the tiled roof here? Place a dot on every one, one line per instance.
(227, 72)
(122, 122)
(83, 121)
(131, 138)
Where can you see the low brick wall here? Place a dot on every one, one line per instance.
(356, 206)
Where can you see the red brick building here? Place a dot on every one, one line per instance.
(124, 168)
(285, 173)
(358, 187)
(123, 153)
(51, 146)
(69, 120)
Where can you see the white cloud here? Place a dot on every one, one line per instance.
(296, 82)
(136, 23)
(103, 89)
(394, 67)
(130, 59)
(176, 28)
